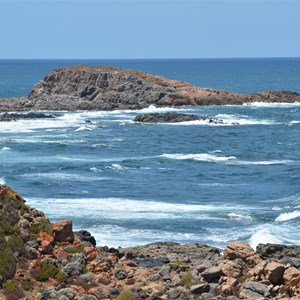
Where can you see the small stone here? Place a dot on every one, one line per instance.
(120, 274)
(212, 273)
(200, 288)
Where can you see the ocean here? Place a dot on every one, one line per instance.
(130, 184)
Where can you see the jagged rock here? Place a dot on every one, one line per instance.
(200, 288)
(238, 250)
(274, 272)
(108, 88)
(86, 236)
(62, 231)
(212, 273)
(254, 291)
(7, 117)
(171, 117)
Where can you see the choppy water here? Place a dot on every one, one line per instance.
(131, 183)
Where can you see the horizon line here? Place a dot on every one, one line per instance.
(161, 58)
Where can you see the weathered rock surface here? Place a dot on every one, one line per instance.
(173, 117)
(7, 117)
(44, 260)
(107, 88)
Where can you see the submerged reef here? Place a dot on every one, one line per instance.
(44, 260)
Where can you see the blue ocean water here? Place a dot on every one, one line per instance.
(131, 183)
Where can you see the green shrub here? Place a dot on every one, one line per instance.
(187, 280)
(7, 264)
(43, 225)
(61, 277)
(178, 263)
(6, 227)
(126, 295)
(45, 272)
(77, 249)
(16, 244)
(12, 290)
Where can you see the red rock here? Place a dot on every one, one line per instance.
(45, 247)
(292, 277)
(45, 236)
(91, 253)
(113, 257)
(62, 231)
(231, 269)
(238, 250)
(61, 255)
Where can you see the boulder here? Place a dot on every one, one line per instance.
(238, 249)
(85, 236)
(274, 272)
(200, 288)
(62, 231)
(254, 291)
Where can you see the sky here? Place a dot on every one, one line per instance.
(54, 29)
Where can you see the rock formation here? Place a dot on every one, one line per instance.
(107, 88)
(44, 260)
(173, 117)
(7, 117)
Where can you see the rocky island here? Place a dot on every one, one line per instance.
(108, 88)
(44, 260)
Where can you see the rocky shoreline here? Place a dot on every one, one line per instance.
(44, 260)
(108, 88)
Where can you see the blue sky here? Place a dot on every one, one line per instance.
(149, 29)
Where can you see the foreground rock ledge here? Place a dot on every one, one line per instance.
(44, 260)
(107, 88)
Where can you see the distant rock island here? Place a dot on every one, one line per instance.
(108, 88)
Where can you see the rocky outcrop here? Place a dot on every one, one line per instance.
(107, 88)
(44, 260)
(173, 117)
(7, 117)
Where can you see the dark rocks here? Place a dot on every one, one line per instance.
(212, 273)
(170, 117)
(62, 231)
(7, 117)
(173, 117)
(85, 236)
(254, 290)
(200, 288)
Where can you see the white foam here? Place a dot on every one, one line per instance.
(244, 120)
(291, 123)
(263, 234)
(264, 162)
(126, 208)
(5, 149)
(275, 234)
(272, 104)
(2, 181)
(288, 216)
(199, 157)
(239, 216)
(84, 128)
(117, 167)
(61, 176)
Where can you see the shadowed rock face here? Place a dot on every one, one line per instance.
(107, 88)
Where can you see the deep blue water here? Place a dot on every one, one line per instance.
(130, 183)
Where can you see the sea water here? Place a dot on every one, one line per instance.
(130, 183)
